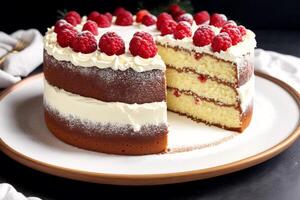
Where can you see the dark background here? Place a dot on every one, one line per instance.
(273, 21)
(277, 26)
(255, 14)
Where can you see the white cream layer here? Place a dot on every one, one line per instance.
(102, 60)
(246, 93)
(96, 111)
(233, 54)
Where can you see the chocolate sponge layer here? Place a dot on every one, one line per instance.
(106, 84)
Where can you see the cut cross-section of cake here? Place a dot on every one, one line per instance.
(210, 76)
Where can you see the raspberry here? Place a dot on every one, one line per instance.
(141, 45)
(218, 20)
(84, 42)
(186, 17)
(93, 15)
(111, 44)
(202, 78)
(71, 20)
(197, 101)
(61, 25)
(66, 37)
(203, 36)
(177, 93)
(182, 30)
(149, 20)
(124, 19)
(174, 8)
(234, 34)
(102, 21)
(109, 16)
(119, 10)
(140, 14)
(229, 25)
(91, 26)
(201, 17)
(198, 56)
(221, 42)
(73, 14)
(144, 35)
(178, 14)
(168, 27)
(161, 18)
(242, 30)
(176, 11)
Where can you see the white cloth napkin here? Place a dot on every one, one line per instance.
(20, 64)
(281, 66)
(8, 192)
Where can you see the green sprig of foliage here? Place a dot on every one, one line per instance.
(184, 4)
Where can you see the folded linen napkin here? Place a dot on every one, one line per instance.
(20, 53)
(8, 192)
(281, 66)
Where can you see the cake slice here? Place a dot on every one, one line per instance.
(210, 75)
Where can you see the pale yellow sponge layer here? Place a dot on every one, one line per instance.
(209, 89)
(208, 112)
(207, 64)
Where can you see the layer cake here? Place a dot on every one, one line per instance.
(109, 80)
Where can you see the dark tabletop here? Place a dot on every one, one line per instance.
(276, 179)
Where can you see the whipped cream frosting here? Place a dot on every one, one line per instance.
(96, 111)
(246, 93)
(102, 60)
(233, 54)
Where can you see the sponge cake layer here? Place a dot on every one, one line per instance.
(202, 86)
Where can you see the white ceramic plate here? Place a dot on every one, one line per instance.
(196, 150)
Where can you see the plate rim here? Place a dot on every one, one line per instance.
(153, 179)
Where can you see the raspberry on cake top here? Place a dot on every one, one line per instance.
(225, 40)
(56, 44)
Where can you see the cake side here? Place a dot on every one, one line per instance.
(112, 103)
(105, 126)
